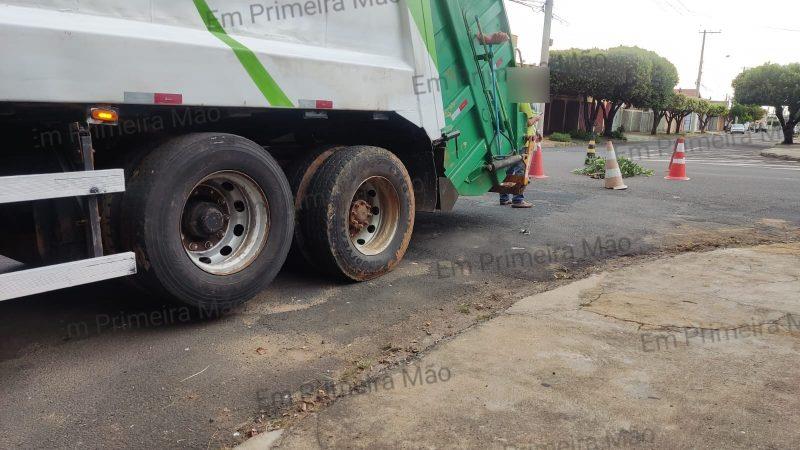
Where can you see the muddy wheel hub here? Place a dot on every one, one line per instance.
(374, 216)
(360, 216)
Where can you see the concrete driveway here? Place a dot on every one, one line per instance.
(694, 351)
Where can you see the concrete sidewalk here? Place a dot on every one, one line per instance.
(693, 351)
(787, 152)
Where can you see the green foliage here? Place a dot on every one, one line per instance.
(560, 137)
(706, 110)
(620, 75)
(772, 85)
(746, 113)
(596, 168)
(631, 169)
(718, 111)
(582, 135)
(702, 106)
(663, 80)
(631, 75)
(681, 106)
(575, 71)
(619, 135)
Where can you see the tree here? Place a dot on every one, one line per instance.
(773, 85)
(577, 72)
(606, 80)
(628, 73)
(745, 113)
(707, 111)
(678, 109)
(663, 79)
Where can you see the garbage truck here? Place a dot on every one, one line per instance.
(192, 145)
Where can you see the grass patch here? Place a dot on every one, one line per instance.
(560, 137)
(619, 135)
(582, 135)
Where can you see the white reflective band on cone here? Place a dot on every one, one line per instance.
(679, 161)
(611, 154)
(613, 173)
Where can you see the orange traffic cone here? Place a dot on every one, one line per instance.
(677, 166)
(537, 168)
(613, 173)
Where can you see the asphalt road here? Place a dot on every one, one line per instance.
(104, 367)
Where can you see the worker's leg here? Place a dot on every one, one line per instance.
(519, 200)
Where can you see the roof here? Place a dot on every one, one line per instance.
(695, 93)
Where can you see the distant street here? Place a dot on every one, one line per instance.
(78, 372)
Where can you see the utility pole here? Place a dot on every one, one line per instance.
(705, 34)
(546, 43)
(546, 39)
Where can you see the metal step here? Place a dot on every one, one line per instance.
(45, 279)
(26, 188)
(9, 265)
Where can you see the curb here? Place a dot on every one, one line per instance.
(783, 156)
(583, 144)
(553, 144)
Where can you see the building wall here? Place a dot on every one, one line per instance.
(566, 114)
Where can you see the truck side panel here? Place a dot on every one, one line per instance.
(349, 55)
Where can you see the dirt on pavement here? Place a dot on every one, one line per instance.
(685, 351)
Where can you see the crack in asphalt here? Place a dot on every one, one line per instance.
(670, 327)
(680, 328)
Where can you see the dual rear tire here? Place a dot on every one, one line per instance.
(355, 213)
(210, 217)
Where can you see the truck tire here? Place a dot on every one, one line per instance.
(359, 213)
(209, 217)
(301, 173)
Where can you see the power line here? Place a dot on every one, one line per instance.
(685, 7)
(790, 30)
(539, 6)
(657, 3)
(674, 8)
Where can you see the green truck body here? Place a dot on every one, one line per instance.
(467, 91)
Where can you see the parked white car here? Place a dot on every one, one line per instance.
(738, 128)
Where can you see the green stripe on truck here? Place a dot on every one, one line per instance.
(258, 73)
(423, 17)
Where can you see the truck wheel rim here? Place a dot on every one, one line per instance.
(225, 223)
(374, 216)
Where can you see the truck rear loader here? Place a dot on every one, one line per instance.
(193, 144)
